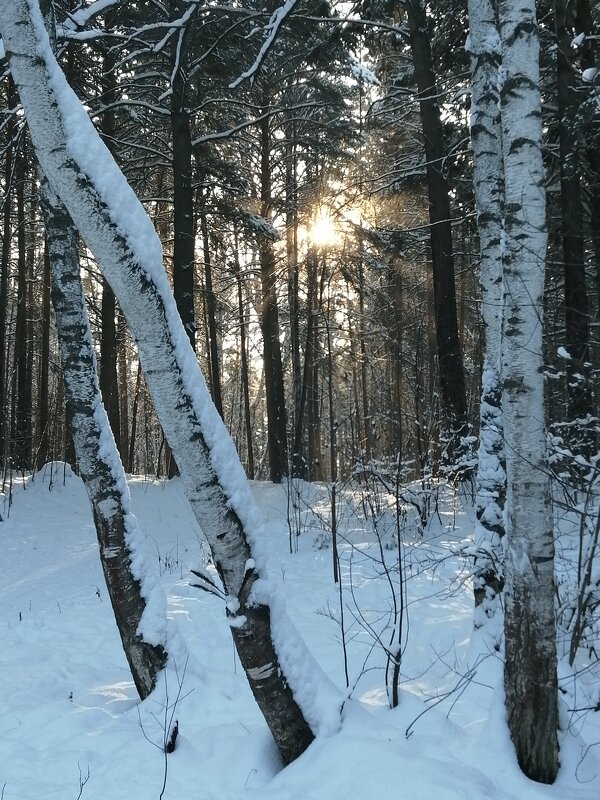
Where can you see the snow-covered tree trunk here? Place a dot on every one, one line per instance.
(530, 638)
(483, 44)
(127, 580)
(121, 237)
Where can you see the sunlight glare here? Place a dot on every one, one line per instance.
(323, 232)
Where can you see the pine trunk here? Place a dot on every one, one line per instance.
(451, 369)
(576, 302)
(273, 366)
(4, 274)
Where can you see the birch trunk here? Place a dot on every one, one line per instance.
(486, 139)
(530, 667)
(124, 243)
(95, 447)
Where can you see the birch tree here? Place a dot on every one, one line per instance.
(128, 582)
(139, 605)
(483, 45)
(122, 239)
(529, 624)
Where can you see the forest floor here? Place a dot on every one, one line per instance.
(72, 726)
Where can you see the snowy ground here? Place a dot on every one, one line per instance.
(72, 725)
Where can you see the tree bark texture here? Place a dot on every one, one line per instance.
(44, 383)
(97, 456)
(5, 267)
(488, 184)
(22, 433)
(576, 302)
(529, 623)
(211, 316)
(183, 190)
(109, 385)
(451, 370)
(273, 366)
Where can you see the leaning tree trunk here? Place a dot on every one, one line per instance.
(486, 138)
(529, 625)
(97, 455)
(123, 241)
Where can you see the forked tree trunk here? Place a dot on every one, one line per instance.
(486, 137)
(127, 250)
(529, 624)
(97, 455)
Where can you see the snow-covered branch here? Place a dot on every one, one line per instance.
(271, 30)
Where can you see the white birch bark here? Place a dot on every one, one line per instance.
(128, 579)
(119, 234)
(530, 667)
(483, 44)
(138, 601)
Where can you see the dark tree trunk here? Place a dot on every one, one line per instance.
(134, 416)
(291, 234)
(313, 372)
(451, 370)
(211, 317)
(244, 359)
(122, 370)
(109, 383)
(276, 412)
(364, 382)
(183, 199)
(576, 303)
(183, 204)
(44, 388)
(5, 267)
(22, 433)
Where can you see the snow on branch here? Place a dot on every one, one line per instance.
(271, 29)
(79, 18)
